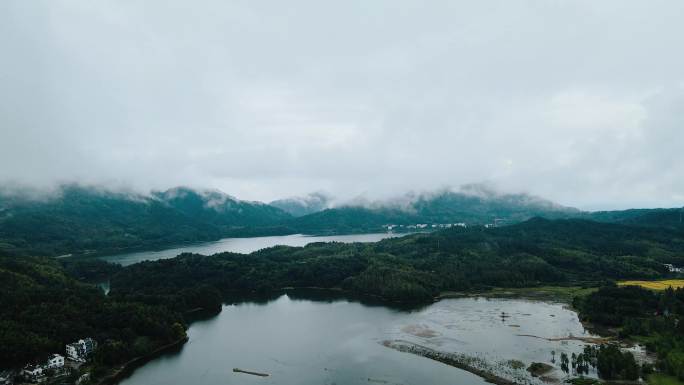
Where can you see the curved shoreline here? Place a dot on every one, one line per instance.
(127, 368)
(450, 359)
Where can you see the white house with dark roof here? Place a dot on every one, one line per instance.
(55, 361)
(32, 372)
(81, 349)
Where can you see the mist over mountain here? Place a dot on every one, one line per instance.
(472, 205)
(300, 206)
(81, 219)
(216, 207)
(88, 219)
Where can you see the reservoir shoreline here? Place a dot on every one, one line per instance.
(242, 349)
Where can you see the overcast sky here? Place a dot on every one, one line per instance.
(581, 102)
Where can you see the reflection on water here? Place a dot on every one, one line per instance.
(242, 245)
(310, 338)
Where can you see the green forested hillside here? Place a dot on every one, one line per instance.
(418, 267)
(300, 206)
(672, 218)
(653, 318)
(480, 206)
(42, 308)
(79, 219)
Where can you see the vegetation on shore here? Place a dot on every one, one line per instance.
(650, 317)
(663, 379)
(42, 308)
(565, 294)
(145, 307)
(419, 267)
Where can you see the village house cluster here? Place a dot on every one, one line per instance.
(673, 269)
(56, 365)
(423, 226)
(82, 349)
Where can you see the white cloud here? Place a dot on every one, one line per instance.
(579, 101)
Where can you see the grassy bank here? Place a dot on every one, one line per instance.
(563, 294)
(663, 379)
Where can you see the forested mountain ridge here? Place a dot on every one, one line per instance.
(671, 217)
(300, 206)
(418, 267)
(217, 208)
(44, 308)
(473, 205)
(143, 309)
(79, 219)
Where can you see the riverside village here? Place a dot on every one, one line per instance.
(57, 368)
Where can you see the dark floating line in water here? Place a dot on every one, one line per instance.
(238, 370)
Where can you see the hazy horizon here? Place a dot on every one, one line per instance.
(578, 102)
(398, 200)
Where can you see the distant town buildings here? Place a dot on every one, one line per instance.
(421, 226)
(672, 269)
(80, 350)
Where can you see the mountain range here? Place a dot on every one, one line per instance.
(300, 206)
(80, 219)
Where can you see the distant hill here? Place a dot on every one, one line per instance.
(218, 208)
(670, 218)
(472, 205)
(419, 267)
(82, 219)
(300, 206)
(350, 219)
(78, 219)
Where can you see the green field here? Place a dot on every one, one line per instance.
(542, 293)
(663, 379)
(655, 285)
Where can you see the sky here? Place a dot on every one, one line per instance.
(580, 102)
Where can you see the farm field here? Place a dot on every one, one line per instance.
(655, 285)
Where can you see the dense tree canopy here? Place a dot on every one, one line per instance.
(418, 267)
(651, 317)
(42, 308)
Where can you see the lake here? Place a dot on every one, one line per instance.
(301, 340)
(242, 245)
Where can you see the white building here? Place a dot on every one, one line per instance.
(81, 349)
(32, 372)
(6, 377)
(55, 361)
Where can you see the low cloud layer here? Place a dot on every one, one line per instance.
(581, 102)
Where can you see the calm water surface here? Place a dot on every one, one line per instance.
(242, 245)
(304, 341)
